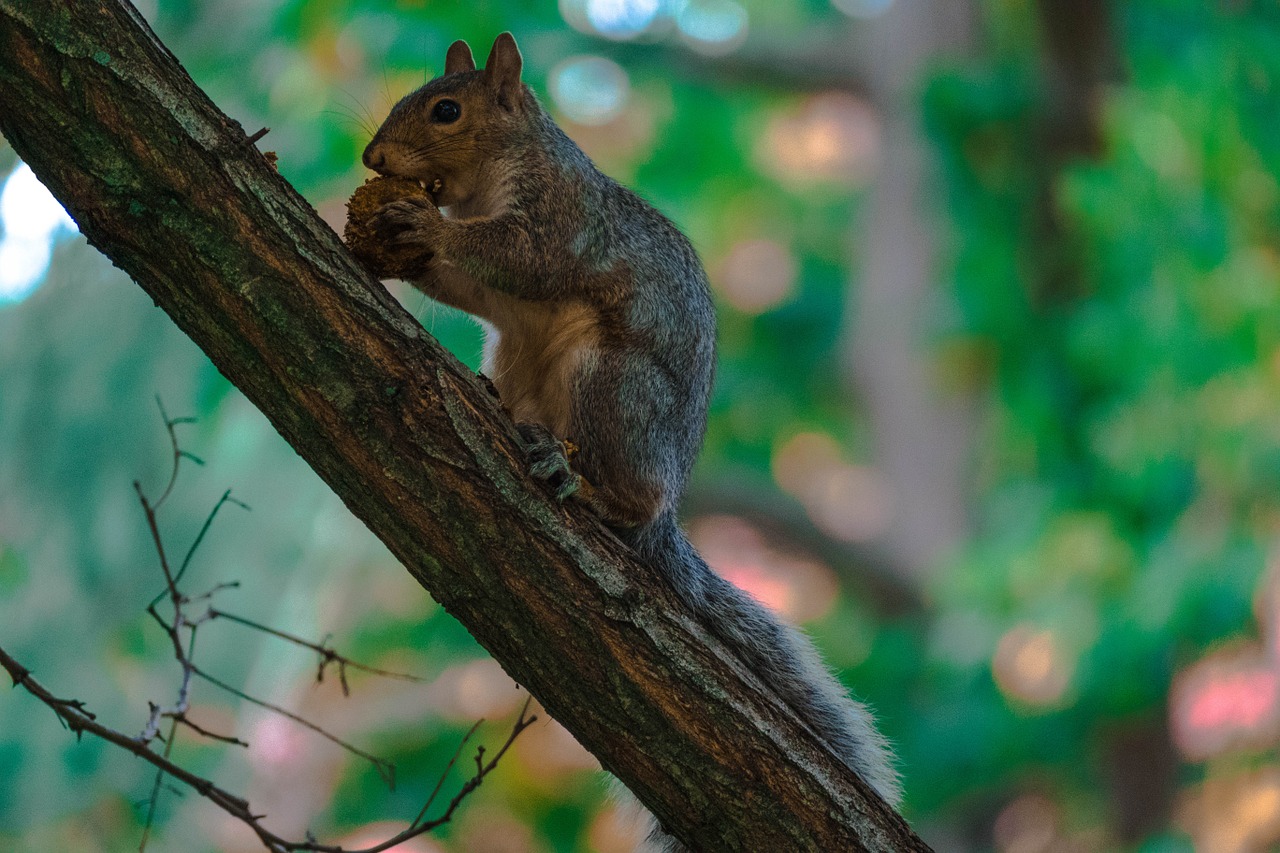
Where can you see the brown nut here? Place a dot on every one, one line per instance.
(384, 260)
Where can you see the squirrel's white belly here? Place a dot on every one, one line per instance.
(532, 354)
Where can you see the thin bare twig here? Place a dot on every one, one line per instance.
(178, 453)
(73, 714)
(180, 621)
(385, 768)
(153, 801)
(202, 731)
(208, 522)
(327, 654)
(152, 729)
(457, 753)
(75, 717)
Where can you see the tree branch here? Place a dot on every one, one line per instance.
(174, 193)
(78, 719)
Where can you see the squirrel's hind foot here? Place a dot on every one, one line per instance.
(549, 460)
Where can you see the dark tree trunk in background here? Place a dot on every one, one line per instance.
(921, 433)
(174, 193)
(1078, 58)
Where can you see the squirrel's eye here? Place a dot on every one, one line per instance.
(446, 111)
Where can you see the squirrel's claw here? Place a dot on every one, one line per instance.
(549, 460)
(399, 221)
(571, 486)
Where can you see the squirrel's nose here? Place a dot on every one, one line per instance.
(373, 158)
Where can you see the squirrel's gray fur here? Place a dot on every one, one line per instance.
(601, 334)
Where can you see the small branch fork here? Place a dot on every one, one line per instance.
(76, 717)
(328, 656)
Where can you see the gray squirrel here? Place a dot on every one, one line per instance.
(600, 336)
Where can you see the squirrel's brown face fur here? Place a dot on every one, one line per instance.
(447, 133)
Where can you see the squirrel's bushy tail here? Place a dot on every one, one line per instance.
(778, 653)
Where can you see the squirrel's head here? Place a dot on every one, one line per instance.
(442, 134)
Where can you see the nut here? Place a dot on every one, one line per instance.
(384, 260)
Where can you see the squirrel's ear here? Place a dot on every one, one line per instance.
(502, 70)
(459, 58)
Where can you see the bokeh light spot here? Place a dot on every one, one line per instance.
(757, 275)
(846, 501)
(28, 209)
(1227, 700)
(713, 27)
(277, 742)
(1029, 824)
(31, 219)
(373, 834)
(796, 586)
(1234, 812)
(831, 137)
(622, 19)
(862, 8)
(1160, 143)
(589, 90)
(476, 688)
(23, 264)
(1031, 667)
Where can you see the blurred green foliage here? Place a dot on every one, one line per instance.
(1112, 313)
(1125, 345)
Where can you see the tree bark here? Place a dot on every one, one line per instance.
(173, 192)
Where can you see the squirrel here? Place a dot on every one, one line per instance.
(600, 338)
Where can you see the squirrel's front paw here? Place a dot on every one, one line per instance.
(407, 221)
(549, 460)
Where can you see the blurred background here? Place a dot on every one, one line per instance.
(997, 419)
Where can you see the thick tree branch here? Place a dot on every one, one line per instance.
(173, 192)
